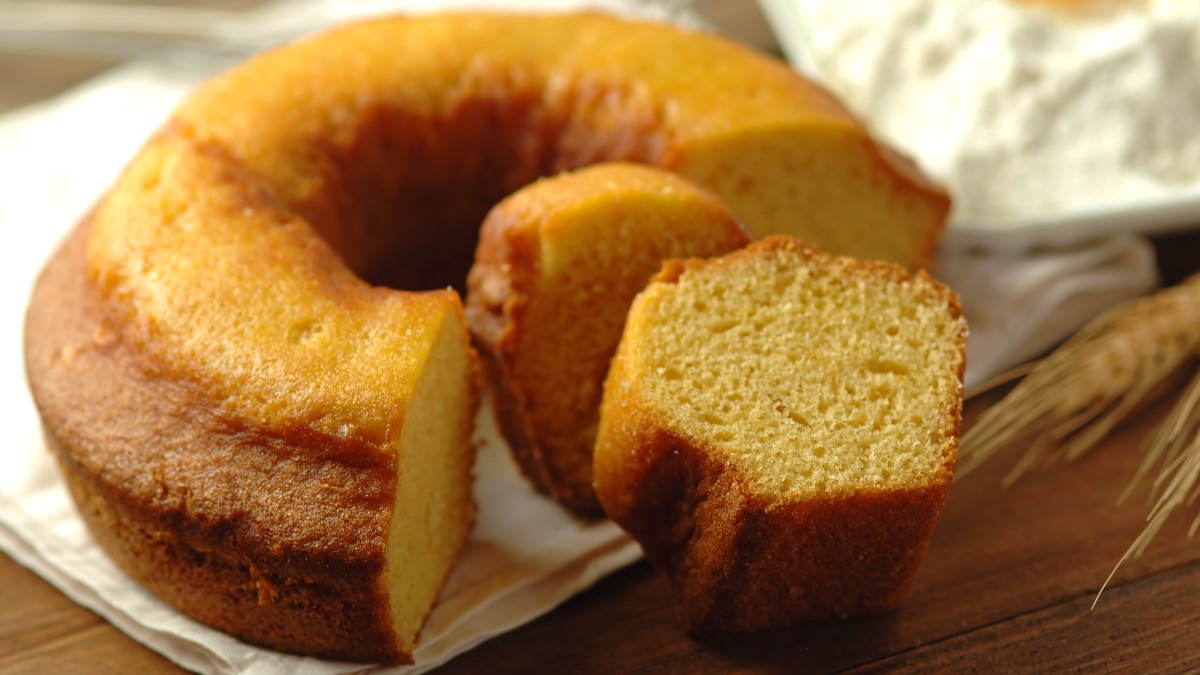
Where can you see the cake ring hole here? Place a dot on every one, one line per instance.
(405, 194)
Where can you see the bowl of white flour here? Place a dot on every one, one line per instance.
(1048, 125)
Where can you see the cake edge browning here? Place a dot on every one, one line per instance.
(741, 562)
(506, 259)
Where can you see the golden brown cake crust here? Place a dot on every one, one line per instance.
(276, 537)
(725, 549)
(741, 560)
(504, 270)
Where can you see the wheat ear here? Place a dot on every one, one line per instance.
(1072, 399)
(1177, 445)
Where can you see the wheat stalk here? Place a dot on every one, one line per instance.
(1117, 364)
(1178, 483)
(1073, 398)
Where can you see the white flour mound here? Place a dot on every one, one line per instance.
(1025, 112)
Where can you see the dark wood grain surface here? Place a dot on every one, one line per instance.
(1007, 585)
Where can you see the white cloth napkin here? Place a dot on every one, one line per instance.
(525, 556)
(1018, 305)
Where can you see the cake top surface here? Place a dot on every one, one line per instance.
(274, 179)
(222, 286)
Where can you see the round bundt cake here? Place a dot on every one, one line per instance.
(253, 422)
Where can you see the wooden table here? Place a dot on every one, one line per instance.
(1007, 584)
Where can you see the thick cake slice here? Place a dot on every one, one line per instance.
(557, 266)
(779, 430)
